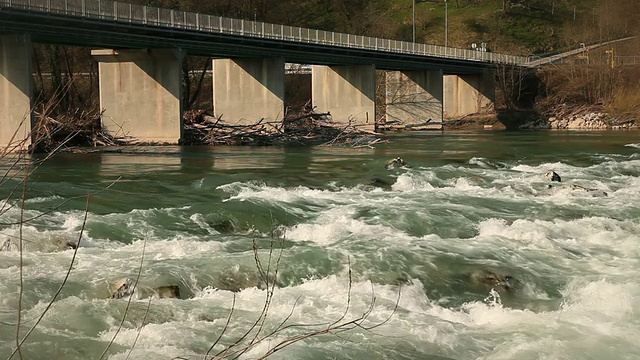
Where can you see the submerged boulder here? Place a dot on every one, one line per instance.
(489, 279)
(121, 288)
(125, 287)
(44, 244)
(168, 292)
(58, 243)
(225, 226)
(6, 245)
(395, 163)
(71, 245)
(240, 277)
(553, 176)
(381, 182)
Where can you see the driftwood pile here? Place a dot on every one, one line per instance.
(309, 128)
(79, 130)
(74, 129)
(397, 125)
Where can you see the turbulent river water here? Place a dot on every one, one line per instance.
(466, 254)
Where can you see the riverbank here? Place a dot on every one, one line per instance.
(562, 117)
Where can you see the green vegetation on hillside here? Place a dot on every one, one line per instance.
(523, 27)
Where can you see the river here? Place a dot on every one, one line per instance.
(468, 253)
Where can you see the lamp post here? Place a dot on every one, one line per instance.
(414, 21)
(446, 23)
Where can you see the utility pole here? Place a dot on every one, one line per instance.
(446, 23)
(414, 21)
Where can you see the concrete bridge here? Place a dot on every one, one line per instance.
(140, 50)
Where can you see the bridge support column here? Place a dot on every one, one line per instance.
(347, 92)
(141, 93)
(247, 90)
(468, 94)
(16, 92)
(415, 97)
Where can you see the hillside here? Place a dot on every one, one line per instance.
(523, 27)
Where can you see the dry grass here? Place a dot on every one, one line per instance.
(625, 104)
(579, 84)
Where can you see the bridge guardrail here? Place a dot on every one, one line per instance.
(154, 16)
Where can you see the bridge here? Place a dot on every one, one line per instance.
(140, 51)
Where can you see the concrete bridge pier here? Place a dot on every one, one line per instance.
(141, 93)
(468, 94)
(415, 97)
(247, 90)
(347, 92)
(16, 92)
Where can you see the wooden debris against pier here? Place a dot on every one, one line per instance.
(69, 131)
(397, 125)
(82, 132)
(306, 129)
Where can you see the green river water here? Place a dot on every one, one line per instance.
(401, 253)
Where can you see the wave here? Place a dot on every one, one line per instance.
(592, 310)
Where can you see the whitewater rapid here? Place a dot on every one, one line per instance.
(400, 255)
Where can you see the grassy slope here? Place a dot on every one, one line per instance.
(524, 30)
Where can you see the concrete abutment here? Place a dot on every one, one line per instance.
(414, 97)
(141, 93)
(347, 92)
(16, 92)
(248, 90)
(468, 94)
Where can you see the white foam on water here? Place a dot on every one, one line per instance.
(291, 199)
(314, 305)
(633, 145)
(154, 341)
(586, 263)
(51, 232)
(581, 247)
(590, 231)
(592, 310)
(521, 182)
(414, 182)
(489, 183)
(601, 299)
(477, 329)
(36, 239)
(628, 187)
(334, 225)
(487, 163)
(180, 247)
(480, 161)
(251, 191)
(37, 200)
(465, 185)
(199, 220)
(543, 168)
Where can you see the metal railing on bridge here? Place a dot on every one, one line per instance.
(154, 16)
